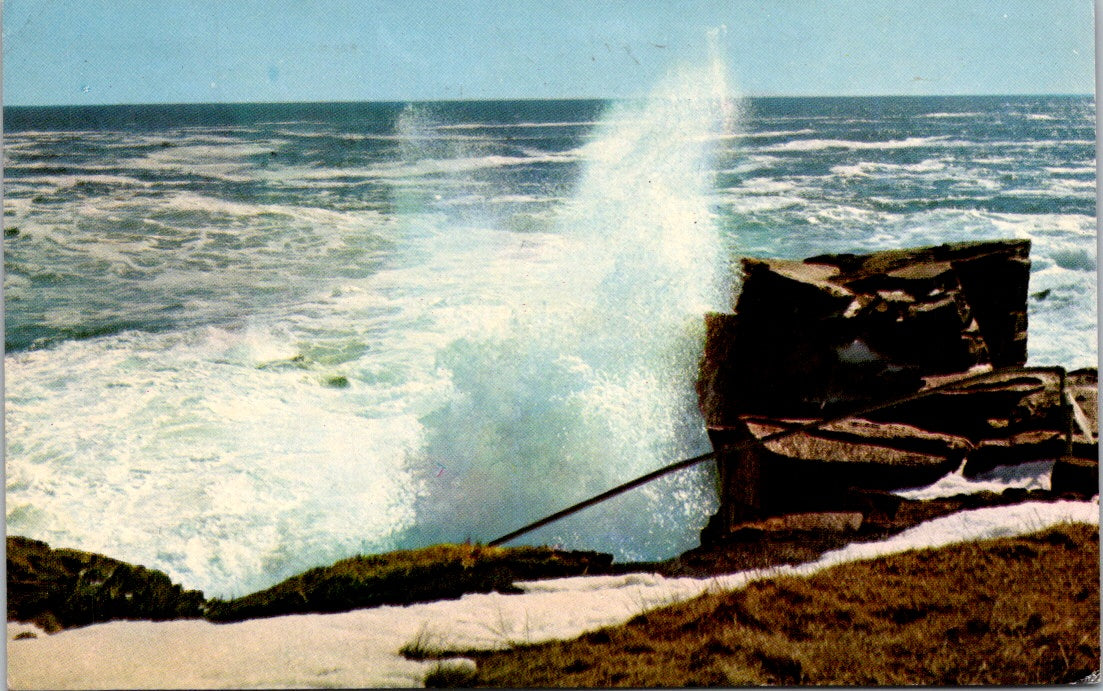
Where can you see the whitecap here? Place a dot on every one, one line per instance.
(824, 144)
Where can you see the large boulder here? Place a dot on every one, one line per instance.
(811, 340)
(812, 470)
(809, 337)
(999, 405)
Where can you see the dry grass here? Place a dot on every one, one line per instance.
(405, 576)
(1009, 611)
(423, 646)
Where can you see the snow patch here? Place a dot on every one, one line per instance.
(360, 648)
(1028, 476)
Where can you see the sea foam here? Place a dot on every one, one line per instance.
(584, 378)
(351, 380)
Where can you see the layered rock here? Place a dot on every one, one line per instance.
(814, 336)
(811, 340)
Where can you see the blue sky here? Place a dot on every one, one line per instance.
(172, 51)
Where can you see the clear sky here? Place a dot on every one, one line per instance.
(172, 51)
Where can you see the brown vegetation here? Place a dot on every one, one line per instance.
(405, 576)
(1009, 611)
(64, 588)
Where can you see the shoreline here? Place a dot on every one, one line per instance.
(46, 588)
(361, 647)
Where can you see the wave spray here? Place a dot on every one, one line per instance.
(587, 378)
(506, 331)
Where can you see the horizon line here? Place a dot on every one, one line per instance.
(537, 99)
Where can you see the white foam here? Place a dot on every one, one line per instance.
(218, 158)
(939, 141)
(440, 166)
(751, 163)
(1071, 170)
(953, 115)
(210, 467)
(760, 204)
(867, 168)
(769, 134)
(1058, 189)
(361, 648)
(516, 125)
(822, 144)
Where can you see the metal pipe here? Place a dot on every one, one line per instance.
(683, 464)
(1067, 407)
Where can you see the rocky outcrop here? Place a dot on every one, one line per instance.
(834, 334)
(814, 336)
(64, 588)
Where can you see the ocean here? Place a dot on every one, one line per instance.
(245, 340)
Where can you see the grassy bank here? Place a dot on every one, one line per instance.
(1009, 611)
(406, 576)
(64, 588)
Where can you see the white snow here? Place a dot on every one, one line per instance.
(1029, 476)
(360, 648)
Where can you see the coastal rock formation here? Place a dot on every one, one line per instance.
(815, 336)
(843, 334)
(64, 588)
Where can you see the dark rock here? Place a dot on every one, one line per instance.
(883, 465)
(996, 407)
(832, 331)
(791, 291)
(745, 370)
(889, 435)
(995, 286)
(1024, 447)
(337, 381)
(874, 504)
(1079, 476)
(885, 514)
(819, 338)
(63, 588)
(812, 471)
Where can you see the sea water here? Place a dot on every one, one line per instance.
(244, 340)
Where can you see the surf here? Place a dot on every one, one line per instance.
(588, 378)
